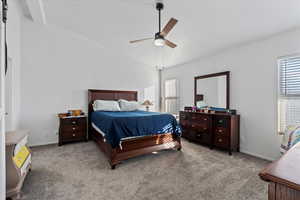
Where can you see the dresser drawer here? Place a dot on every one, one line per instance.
(221, 121)
(203, 137)
(221, 141)
(220, 131)
(200, 117)
(199, 127)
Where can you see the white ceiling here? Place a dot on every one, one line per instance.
(204, 27)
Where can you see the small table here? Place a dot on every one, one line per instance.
(72, 129)
(15, 176)
(284, 176)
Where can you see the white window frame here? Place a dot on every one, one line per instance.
(177, 97)
(280, 97)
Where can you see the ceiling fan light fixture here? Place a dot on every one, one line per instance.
(159, 42)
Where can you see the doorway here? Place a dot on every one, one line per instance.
(8, 95)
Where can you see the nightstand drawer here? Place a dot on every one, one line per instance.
(70, 135)
(73, 128)
(79, 121)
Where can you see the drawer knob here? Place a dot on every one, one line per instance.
(73, 122)
(220, 131)
(205, 119)
(74, 129)
(220, 140)
(73, 135)
(199, 135)
(193, 126)
(220, 121)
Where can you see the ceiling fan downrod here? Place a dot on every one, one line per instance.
(159, 7)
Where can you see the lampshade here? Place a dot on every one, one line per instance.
(147, 103)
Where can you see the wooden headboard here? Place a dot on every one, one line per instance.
(108, 95)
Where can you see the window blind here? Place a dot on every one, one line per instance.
(289, 76)
(171, 96)
(289, 92)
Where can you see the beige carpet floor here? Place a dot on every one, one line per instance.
(80, 171)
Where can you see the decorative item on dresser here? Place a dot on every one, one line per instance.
(18, 162)
(219, 130)
(72, 128)
(284, 176)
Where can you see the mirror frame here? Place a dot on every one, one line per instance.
(226, 73)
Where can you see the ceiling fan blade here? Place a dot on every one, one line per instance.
(170, 25)
(134, 41)
(170, 44)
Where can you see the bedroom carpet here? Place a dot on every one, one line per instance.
(80, 171)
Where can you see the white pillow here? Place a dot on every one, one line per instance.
(101, 105)
(128, 105)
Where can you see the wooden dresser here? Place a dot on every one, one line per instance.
(215, 130)
(72, 129)
(284, 176)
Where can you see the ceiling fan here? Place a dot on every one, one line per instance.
(159, 38)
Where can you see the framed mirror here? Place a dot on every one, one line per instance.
(212, 90)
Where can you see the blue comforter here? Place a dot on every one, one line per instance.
(118, 125)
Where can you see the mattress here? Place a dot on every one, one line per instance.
(116, 127)
(103, 135)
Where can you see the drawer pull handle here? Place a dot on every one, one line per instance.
(73, 135)
(73, 122)
(220, 140)
(220, 121)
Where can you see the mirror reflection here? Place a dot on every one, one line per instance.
(211, 91)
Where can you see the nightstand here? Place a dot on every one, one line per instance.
(72, 129)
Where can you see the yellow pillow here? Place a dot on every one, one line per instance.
(21, 156)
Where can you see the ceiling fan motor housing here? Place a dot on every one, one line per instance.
(159, 36)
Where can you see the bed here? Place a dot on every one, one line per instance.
(131, 137)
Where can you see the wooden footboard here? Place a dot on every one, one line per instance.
(135, 147)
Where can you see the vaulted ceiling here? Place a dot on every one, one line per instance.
(204, 27)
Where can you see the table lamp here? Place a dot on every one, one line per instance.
(147, 103)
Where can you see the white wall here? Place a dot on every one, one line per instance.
(253, 87)
(57, 69)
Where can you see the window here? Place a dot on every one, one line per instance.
(171, 96)
(289, 92)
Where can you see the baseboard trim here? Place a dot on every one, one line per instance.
(258, 155)
(43, 144)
